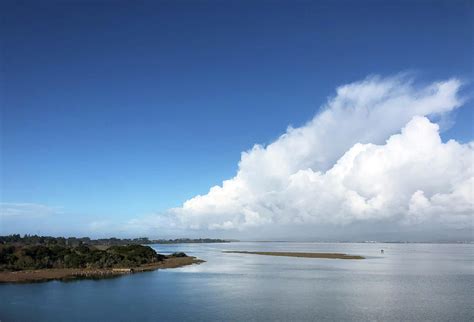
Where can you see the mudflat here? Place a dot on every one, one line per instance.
(296, 254)
(41, 275)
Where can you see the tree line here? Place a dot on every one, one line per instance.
(74, 241)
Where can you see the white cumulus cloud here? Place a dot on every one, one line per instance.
(369, 155)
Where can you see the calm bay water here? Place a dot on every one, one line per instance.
(409, 282)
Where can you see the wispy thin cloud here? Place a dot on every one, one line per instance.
(26, 210)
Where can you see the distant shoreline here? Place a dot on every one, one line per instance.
(67, 274)
(462, 242)
(296, 254)
(112, 241)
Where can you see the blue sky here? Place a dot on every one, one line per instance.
(117, 109)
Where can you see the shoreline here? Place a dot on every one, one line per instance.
(296, 254)
(68, 274)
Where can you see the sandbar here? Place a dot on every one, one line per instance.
(296, 254)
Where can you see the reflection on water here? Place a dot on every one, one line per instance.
(407, 282)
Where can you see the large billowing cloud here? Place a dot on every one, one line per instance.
(370, 155)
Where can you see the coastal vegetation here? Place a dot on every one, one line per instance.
(21, 257)
(36, 258)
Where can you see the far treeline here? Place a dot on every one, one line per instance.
(74, 241)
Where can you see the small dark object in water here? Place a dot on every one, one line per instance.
(381, 251)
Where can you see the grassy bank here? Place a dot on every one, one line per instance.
(23, 261)
(64, 274)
